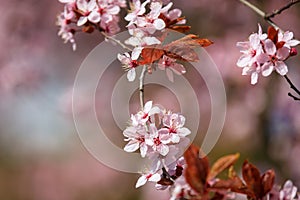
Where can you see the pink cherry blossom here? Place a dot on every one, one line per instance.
(170, 65)
(273, 59)
(89, 10)
(174, 123)
(143, 116)
(158, 140)
(136, 140)
(136, 9)
(287, 38)
(129, 64)
(65, 30)
(288, 192)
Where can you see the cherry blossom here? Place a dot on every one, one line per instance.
(136, 140)
(129, 64)
(174, 123)
(273, 59)
(288, 192)
(143, 116)
(66, 32)
(287, 38)
(89, 11)
(170, 65)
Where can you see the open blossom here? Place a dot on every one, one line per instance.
(143, 116)
(66, 32)
(288, 192)
(129, 63)
(136, 140)
(273, 59)
(265, 53)
(89, 11)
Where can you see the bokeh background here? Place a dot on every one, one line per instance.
(41, 156)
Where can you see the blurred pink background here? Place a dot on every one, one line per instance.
(41, 156)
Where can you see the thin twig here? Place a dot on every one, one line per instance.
(141, 88)
(116, 41)
(259, 12)
(293, 87)
(278, 11)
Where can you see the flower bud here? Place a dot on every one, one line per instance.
(293, 52)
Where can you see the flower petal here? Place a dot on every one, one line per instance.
(267, 69)
(281, 68)
(141, 181)
(270, 47)
(131, 75)
(254, 78)
(283, 53)
(159, 24)
(82, 20)
(132, 146)
(94, 17)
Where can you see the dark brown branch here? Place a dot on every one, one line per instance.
(278, 11)
(293, 87)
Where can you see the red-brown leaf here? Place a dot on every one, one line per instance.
(222, 164)
(273, 34)
(181, 29)
(197, 169)
(251, 176)
(150, 55)
(280, 44)
(268, 181)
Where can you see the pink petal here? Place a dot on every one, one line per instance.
(163, 149)
(141, 181)
(143, 150)
(170, 74)
(243, 46)
(155, 178)
(254, 40)
(283, 53)
(183, 131)
(136, 53)
(130, 132)
(94, 17)
(267, 69)
(281, 68)
(175, 138)
(270, 47)
(243, 61)
(178, 68)
(131, 75)
(132, 146)
(167, 7)
(151, 40)
(154, 110)
(254, 78)
(82, 20)
(113, 10)
(148, 106)
(293, 43)
(91, 5)
(262, 58)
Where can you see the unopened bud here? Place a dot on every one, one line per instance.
(293, 52)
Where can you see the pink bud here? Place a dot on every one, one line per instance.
(293, 52)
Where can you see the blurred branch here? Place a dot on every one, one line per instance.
(278, 11)
(115, 40)
(293, 87)
(259, 12)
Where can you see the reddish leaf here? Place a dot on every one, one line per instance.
(273, 34)
(150, 55)
(280, 44)
(222, 164)
(251, 176)
(88, 29)
(268, 181)
(197, 169)
(165, 181)
(235, 185)
(183, 53)
(181, 29)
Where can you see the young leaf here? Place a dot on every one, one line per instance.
(150, 55)
(268, 181)
(222, 164)
(273, 34)
(251, 176)
(197, 169)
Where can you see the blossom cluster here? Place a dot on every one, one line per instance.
(87, 15)
(160, 136)
(264, 53)
(142, 27)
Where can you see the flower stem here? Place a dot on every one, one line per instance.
(293, 87)
(279, 11)
(141, 88)
(115, 40)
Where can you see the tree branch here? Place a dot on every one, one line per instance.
(278, 11)
(293, 87)
(259, 12)
(141, 88)
(115, 40)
